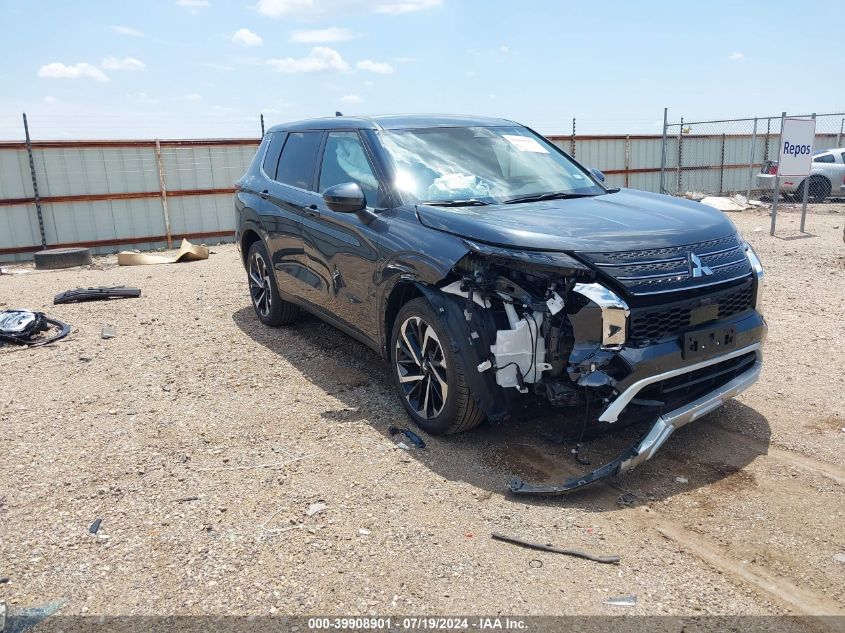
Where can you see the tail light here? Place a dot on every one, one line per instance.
(773, 169)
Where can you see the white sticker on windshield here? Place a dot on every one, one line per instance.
(525, 144)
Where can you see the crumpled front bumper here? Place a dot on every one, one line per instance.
(661, 429)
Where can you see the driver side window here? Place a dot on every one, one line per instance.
(345, 160)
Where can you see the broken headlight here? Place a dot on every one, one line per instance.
(614, 313)
(757, 267)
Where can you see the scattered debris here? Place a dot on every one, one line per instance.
(22, 327)
(364, 532)
(20, 620)
(99, 293)
(695, 195)
(737, 202)
(556, 550)
(108, 332)
(839, 558)
(273, 465)
(535, 563)
(622, 601)
(399, 436)
(3, 581)
(95, 526)
(682, 480)
(185, 499)
(187, 253)
(315, 508)
(15, 271)
(626, 499)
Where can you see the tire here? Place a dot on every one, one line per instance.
(269, 306)
(62, 258)
(419, 335)
(819, 189)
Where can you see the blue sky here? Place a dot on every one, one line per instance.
(196, 68)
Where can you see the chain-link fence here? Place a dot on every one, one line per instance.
(726, 156)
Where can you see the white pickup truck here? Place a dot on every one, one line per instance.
(827, 177)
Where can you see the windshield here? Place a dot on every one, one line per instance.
(481, 165)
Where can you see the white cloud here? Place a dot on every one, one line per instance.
(380, 68)
(319, 59)
(322, 36)
(736, 56)
(49, 100)
(57, 70)
(141, 97)
(405, 6)
(470, 73)
(194, 4)
(245, 37)
(369, 83)
(351, 99)
(504, 49)
(195, 98)
(278, 8)
(127, 63)
(127, 30)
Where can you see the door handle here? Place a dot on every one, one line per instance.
(265, 195)
(311, 211)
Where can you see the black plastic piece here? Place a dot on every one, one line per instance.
(96, 294)
(37, 322)
(518, 486)
(415, 439)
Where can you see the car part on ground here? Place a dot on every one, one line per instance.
(62, 258)
(24, 327)
(400, 436)
(548, 547)
(187, 253)
(99, 293)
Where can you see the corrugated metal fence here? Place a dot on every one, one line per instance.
(108, 194)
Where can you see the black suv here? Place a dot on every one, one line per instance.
(490, 268)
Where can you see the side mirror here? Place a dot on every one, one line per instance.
(597, 174)
(346, 197)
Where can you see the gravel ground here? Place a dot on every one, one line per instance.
(201, 439)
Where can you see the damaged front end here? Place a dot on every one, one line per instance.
(543, 325)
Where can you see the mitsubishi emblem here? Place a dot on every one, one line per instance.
(696, 268)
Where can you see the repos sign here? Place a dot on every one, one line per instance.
(796, 147)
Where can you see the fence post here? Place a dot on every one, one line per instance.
(722, 166)
(768, 131)
(627, 158)
(663, 151)
(806, 190)
(776, 193)
(572, 140)
(163, 189)
(262, 125)
(680, 153)
(751, 158)
(34, 183)
(841, 130)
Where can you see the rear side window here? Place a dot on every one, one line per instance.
(824, 158)
(843, 157)
(299, 159)
(271, 158)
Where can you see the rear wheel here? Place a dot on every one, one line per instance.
(428, 374)
(269, 306)
(819, 189)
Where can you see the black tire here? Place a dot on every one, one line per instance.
(457, 411)
(819, 189)
(53, 258)
(269, 306)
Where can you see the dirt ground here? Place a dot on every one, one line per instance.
(201, 438)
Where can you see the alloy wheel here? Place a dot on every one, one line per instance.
(421, 367)
(259, 284)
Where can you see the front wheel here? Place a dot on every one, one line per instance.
(269, 306)
(428, 374)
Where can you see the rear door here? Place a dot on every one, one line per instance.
(340, 248)
(291, 191)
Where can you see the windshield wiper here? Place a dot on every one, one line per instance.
(456, 203)
(552, 195)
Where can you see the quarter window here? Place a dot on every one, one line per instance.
(271, 158)
(345, 160)
(299, 159)
(824, 158)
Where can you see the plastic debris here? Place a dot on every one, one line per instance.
(364, 532)
(315, 508)
(626, 500)
(187, 253)
(100, 293)
(839, 558)
(555, 550)
(95, 526)
(400, 436)
(622, 601)
(682, 480)
(108, 332)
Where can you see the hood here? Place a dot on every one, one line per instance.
(625, 221)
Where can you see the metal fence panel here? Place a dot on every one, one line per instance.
(15, 179)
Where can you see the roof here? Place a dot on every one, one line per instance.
(390, 122)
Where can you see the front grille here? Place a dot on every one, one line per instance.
(660, 270)
(680, 390)
(670, 319)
